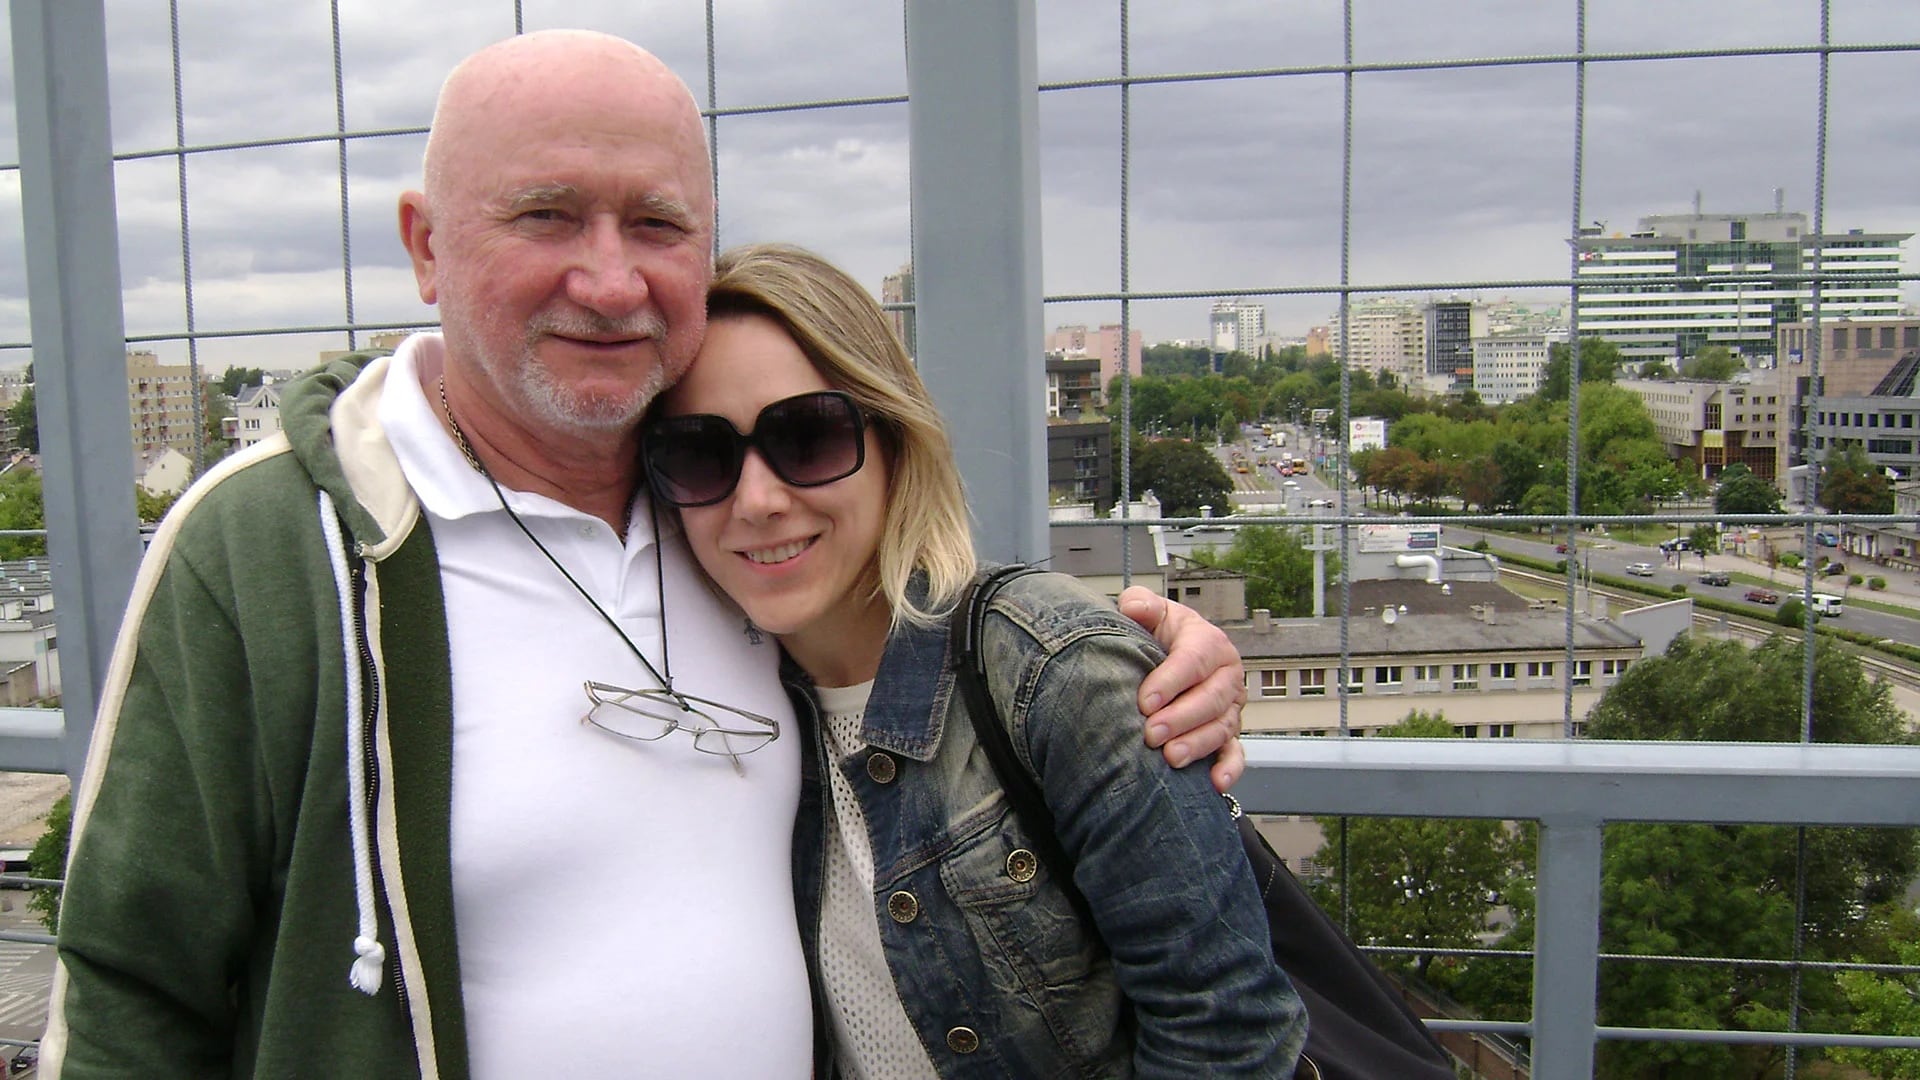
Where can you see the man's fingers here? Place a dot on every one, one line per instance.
(1203, 719)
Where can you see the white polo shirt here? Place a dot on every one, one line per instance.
(623, 908)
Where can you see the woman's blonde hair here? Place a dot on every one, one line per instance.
(843, 331)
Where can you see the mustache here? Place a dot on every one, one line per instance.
(590, 324)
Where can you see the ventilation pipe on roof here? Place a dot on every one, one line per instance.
(1431, 562)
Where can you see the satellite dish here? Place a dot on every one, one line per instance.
(1388, 615)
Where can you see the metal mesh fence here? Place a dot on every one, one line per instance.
(1325, 123)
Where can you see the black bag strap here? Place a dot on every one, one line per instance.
(1022, 789)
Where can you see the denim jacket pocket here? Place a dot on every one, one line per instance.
(1032, 942)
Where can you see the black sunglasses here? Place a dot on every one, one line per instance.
(807, 440)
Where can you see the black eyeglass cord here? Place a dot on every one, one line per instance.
(659, 563)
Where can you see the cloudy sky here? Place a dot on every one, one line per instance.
(1461, 175)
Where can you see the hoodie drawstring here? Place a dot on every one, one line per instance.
(369, 956)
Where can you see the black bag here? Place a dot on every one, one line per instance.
(1358, 1026)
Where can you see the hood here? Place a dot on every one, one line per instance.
(331, 419)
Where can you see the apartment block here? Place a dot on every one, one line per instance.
(1102, 344)
(1236, 325)
(1383, 335)
(162, 404)
(1507, 364)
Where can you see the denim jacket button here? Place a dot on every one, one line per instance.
(903, 906)
(1022, 864)
(881, 768)
(963, 1040)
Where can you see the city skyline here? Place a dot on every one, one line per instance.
(1458, 175)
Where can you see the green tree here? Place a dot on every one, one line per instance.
(1852, 484)
(1715, 362)
(25, 417)
(21, 508)
(1705, 538)
(151, 507)
(1185, 476)
(1741, 492)
(1418, 882)
(237, 379)
(48, 859)
(1517, 468)
(1886, 1004)
(1599, 360)
(1278, 567)
(1729, 891)
(1656, 369)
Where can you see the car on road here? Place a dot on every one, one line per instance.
(1560, 548)
(1826, 539)
(1834, 569)
(1316, 503)
(1640, 569)
(1678, 543)
(1762, 596)
(1716, 577)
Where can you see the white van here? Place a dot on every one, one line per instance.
(1827, 604)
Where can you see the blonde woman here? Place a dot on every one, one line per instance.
(816, 486)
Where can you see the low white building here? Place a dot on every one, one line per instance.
(256, 416)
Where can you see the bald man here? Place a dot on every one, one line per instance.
(348, 810)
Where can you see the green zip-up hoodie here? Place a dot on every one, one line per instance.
(219, 890)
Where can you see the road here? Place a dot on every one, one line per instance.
(1603, 556)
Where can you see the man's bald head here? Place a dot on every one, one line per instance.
(531, 76)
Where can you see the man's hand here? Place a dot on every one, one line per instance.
(1192, 701)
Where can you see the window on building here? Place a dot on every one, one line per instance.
(1313, 682)
(1839, 337)
(1273, 683)
(1614, 667)
(1386, 678)
(1539, 669)
(1886, 337)
(1503, 672)
(1910, 337)
(1583, 673)
(1356, 681)
(1466, 676)
(1468, 731)
(1499, 731)
(1863, 337)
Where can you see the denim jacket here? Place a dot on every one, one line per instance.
(998, 974)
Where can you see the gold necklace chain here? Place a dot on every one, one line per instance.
(459, 437)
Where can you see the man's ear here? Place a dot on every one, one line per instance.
(416, 233)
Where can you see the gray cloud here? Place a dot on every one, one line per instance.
(1457, 174)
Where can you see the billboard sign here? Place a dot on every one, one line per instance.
(1392, 538)
(1366, 433)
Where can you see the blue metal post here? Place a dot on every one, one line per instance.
(79, 339)
(1566, 949)
(973, 108)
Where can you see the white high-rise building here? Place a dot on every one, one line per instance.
(1237, 326)
(1690, 303)
(1382, 335)
(1507, 363)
